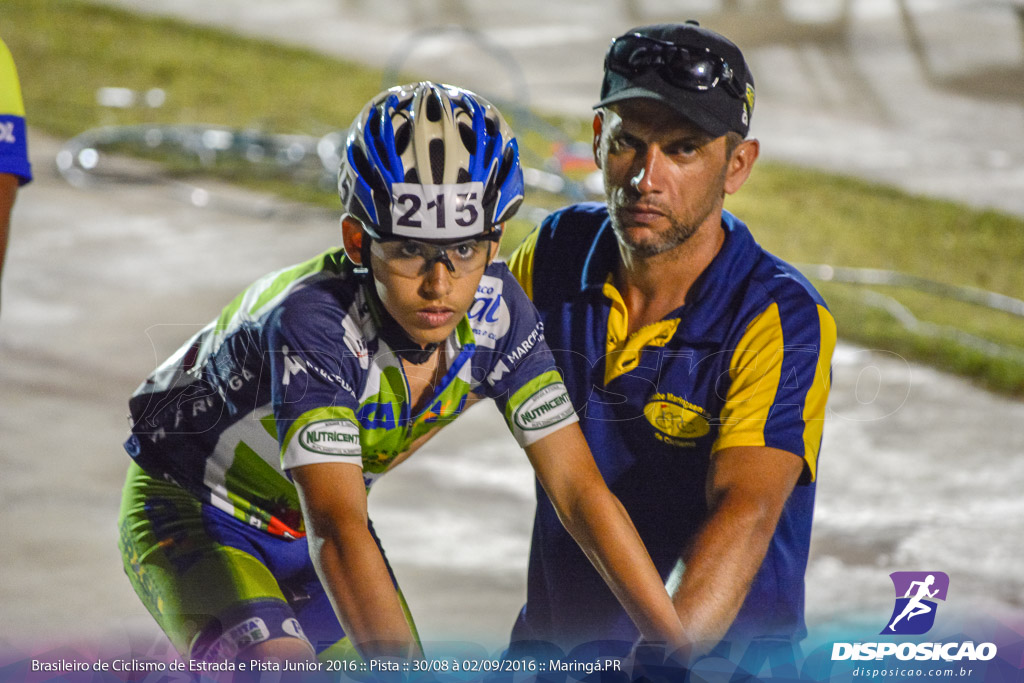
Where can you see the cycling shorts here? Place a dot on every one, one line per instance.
(216, 585)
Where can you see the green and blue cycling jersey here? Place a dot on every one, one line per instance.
(295, 371)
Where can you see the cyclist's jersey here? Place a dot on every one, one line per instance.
(13, 147)
(295, 371)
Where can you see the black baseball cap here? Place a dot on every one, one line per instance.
(695, 71)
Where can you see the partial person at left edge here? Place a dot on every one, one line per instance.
(14, 166)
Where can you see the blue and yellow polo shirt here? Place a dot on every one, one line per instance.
(13, 146)
(745, 362)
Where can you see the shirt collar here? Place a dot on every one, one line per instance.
(712, 293)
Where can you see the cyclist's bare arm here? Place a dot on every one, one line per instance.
(601, 526)
(348, 561)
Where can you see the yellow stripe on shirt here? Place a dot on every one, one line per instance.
(754, 370)
(521, 262)
(10, 89)
(817, 395)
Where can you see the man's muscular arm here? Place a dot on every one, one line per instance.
(8, 189)
(747, 488)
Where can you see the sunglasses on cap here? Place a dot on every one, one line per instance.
(690, 68)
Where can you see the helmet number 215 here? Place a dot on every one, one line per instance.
(437, 211)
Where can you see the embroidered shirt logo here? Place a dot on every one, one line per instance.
(676, 420)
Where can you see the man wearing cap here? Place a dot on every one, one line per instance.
(699, 363)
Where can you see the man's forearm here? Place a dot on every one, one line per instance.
(716, 571)
(8, 190)
(747, 490)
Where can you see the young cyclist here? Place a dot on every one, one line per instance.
(244, 524)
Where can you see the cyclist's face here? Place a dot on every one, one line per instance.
(426, 288)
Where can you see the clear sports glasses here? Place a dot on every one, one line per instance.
(412, 258)
(688, 68)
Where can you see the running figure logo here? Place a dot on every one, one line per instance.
(914, 612)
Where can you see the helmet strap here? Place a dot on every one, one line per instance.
(396, 337)
(364, 256)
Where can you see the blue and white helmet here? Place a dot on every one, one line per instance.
(430, 161)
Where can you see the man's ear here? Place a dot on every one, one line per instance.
(740, 164)
(352, 238)
(598, 127)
